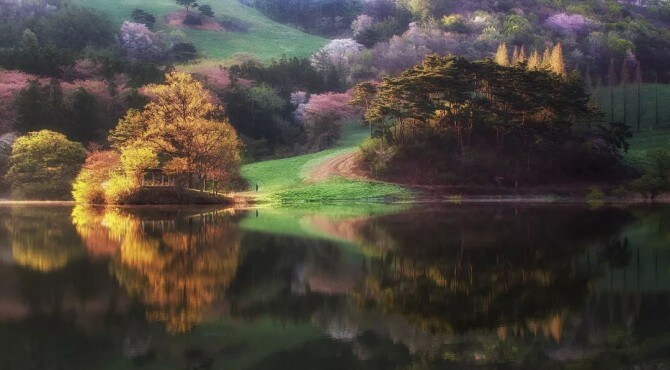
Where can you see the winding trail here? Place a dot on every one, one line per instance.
(344, 165)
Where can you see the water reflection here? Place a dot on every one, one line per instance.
(429, 288)
(175, 266)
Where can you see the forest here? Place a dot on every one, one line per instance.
(511, 94)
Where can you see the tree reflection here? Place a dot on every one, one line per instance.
(513, 270)
(41, 239)
(175, 266)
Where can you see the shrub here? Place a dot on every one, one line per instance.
(649, 185)
(144, 17)
(119, 188)
(43, 165)
(88, 186)
(376, 156)
(595, 196)
(206, 11)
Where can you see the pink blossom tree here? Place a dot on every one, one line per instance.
(570, 24)
(324, 114)
(140, 43)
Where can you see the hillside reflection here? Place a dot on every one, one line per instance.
(433, 288)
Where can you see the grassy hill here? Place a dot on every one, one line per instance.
(265, 39)
(648, 112)
(283, 181)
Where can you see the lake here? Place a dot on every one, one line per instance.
(371, 287)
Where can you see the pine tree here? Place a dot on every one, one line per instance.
(656, 100)
(515, 55)
(534, 61)
(522, 54)
(611, 76)
(546, 59)
(502, 57)
(557, 62)
(638, 80)
(624, 88)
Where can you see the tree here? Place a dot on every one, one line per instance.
(179, 125)
(534, 61)
(323, 115)
(502, 57)
(557, 61)
(43, 165)
(144, 17)
(136, 160)
(84, 116)
(183, 52)
(139, 43)
(638, 81)
(262, 98)
(206, 10)
(6, 142)
(363, 95)
(41, 107)
(187, 4)
(88, 185)
(457, 107)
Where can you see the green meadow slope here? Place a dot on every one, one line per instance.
(266, 39)
(286, 181)
(654, 107)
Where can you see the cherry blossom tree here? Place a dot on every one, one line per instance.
(361, 24)
(570, 24)
(140, 43)
(323, 116)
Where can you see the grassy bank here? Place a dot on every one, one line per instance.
(265, 39)
(643, 142)
(652, 116)
(284, 181)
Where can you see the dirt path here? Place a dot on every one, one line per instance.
(345, 165)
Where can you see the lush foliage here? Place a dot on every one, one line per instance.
(323, 114)
(43, 165)
(181, 132)
(656, 178)
(484, 121)
(259, 105)
(83, 110)
(48, 40)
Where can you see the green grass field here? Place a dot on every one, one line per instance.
(265, 40)
(651, 117)
(643, 142)
(282, 181)
(654, 123)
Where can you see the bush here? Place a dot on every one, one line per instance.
(88, 186)
(376, 156)
(192, 20)
(649, 185)
(43, 165)
(119, 188)
(183, 52)
(141, 16)
(234, 24)
(595, 196)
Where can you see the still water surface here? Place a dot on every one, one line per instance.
(462, 286)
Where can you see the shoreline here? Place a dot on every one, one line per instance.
(420, 196)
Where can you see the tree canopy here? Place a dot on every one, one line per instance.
(535, 119)
(181, 131)
(43, 165)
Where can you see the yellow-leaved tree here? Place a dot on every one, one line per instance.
(181, 131)
(183, 125)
